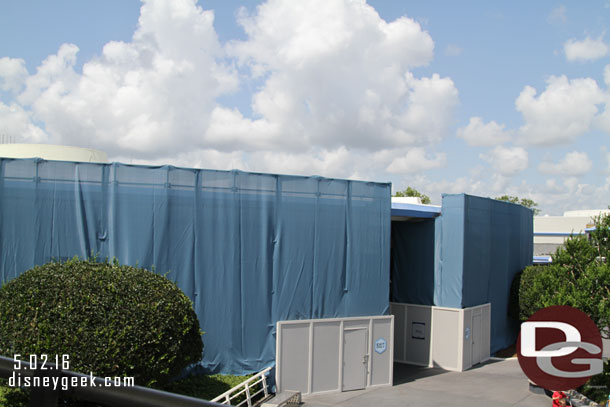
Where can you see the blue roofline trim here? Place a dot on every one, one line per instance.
(565, 234)
(543, 259)
(414, 210)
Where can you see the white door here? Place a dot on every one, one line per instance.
(477, 339)
(355, 358)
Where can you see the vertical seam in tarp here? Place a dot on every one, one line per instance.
(195, 229)
(348, 242)
(81, 217)
(275, 263)
(154, 223)
(37, 216)
(312, 310)
(237, 195)
(112, 209)
(165, 233)
(53, 207)
(102, 234)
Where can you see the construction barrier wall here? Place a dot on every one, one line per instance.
(449, 338)
(329, 355)
(248, 249)
(479, 244)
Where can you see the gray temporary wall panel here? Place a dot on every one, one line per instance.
(412, 332)
(325, 356)
(296, 361)
(335, 354)
(446, 334)
(380, 374)
(441, 337)
(419, 324)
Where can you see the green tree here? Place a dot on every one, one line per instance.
(528, 203)
(579, 276)
(425, 199)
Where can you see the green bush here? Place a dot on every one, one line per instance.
(528, 292)
(579, 276)
(111, 320)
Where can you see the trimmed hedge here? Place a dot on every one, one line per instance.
(110, 319)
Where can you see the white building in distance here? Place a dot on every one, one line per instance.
(550, 232)
(52, 152)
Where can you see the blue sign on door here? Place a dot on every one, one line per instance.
(380, 345)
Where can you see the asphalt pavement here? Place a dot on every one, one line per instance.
(497, 383)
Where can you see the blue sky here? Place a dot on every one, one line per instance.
(487, 98)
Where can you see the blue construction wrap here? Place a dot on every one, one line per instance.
(478, 245)
(248, 249)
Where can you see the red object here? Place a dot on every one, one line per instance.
(558, 395)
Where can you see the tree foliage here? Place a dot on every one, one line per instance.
(579, 276)
(110, 319)
(528, 203)
(425, 199)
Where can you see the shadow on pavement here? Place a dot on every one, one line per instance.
(486, 363)
(404, 373)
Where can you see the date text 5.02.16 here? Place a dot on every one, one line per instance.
(41, 362)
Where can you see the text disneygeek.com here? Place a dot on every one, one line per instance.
(46, 364)
(65, 382)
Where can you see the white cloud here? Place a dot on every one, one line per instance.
(602, 121)
(586, 50)
(284, 34)
(563, 112)
(333, 80)
(435, 188)
(416, 160)
(12, 74)
(149, 97)
(572, 164)
(337, 74)
(478, 133)
(507, 161)
(16, 123)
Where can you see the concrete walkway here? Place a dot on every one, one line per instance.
(495, 383)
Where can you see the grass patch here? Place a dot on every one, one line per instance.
(205, 387)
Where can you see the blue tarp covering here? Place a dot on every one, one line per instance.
(248, 249)
(478, 245)
(485, 242)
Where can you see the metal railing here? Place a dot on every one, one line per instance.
(97, 391)
(245, 389)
